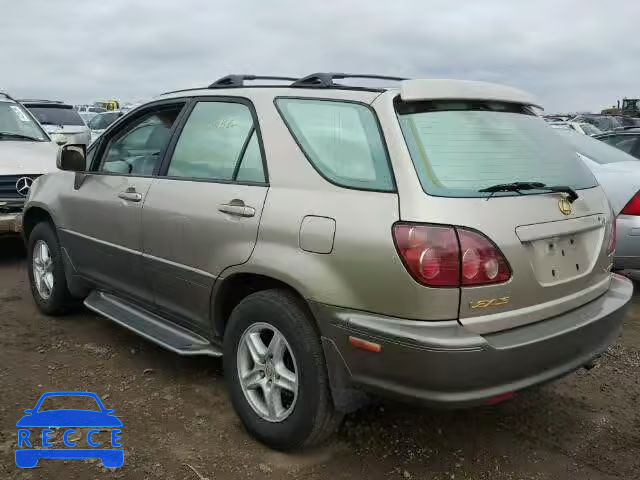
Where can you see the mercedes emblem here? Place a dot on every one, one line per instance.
(23, 185)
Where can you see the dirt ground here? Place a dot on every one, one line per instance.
(179, 424)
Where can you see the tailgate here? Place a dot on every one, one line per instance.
(558, 262)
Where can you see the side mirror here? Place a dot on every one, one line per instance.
(72, 158)
(29, 410)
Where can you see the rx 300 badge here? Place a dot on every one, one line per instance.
(32, 447)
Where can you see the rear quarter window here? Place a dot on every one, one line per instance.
(341, 140)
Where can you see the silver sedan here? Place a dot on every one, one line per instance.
(619, 175)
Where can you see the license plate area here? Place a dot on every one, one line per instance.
(566, 257)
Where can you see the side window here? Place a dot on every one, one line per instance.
(212, 142)
(341, 140)
(91, 153)
(137, 148)
(251, 168)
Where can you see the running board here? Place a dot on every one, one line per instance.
(150, 326)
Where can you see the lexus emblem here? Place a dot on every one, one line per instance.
(565, 206)
(23, 185)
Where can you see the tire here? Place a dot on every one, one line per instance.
(311, 417)
(59, 300)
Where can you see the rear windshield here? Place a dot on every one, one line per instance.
(460, 147)
(102, 121)
(56, 116)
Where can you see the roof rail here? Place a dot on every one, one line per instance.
(7, 96)
(238, 80)
(39, 100)
(326, 79)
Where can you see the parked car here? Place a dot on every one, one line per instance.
(89, 109)
(60, 119)
(619, 175)
(237, 221)
(26, 152)
(100, 122)
(580, 127)
(556, 118)
(628, 122)
(87, 116)
(627, 140)
(605, 123)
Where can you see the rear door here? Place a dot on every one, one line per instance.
(202, 213)
(103, 213)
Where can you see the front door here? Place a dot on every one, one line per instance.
(103, 213)
(202, 213)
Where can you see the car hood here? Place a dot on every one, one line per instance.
(20, 157)
(65, 129)
(620, 180)
(69, 418)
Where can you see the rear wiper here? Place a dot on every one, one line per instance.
(19, 136)
(518, 187)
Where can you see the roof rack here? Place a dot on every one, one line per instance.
(315, 80)
(7, 96)
(326, 79)
(238, 80)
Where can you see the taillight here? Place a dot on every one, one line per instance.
(430, 253)
(482, 261)
(438, 256)
(633, 207)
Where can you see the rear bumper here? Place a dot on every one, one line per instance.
(443, 364)
(10, 223)
(627, 243)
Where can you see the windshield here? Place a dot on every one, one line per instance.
(56, 115)
(594, 149)
(460, 147)
(15, 120)
(102, 121)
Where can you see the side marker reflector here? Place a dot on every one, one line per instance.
(503, 397)
(365, 345)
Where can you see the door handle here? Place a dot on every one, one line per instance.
(130, 195)
(237, 210)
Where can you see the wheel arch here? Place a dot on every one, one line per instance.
(34, 215)
(231, 290)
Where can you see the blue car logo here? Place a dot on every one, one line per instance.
(29, 452)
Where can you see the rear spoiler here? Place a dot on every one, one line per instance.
(445, 89)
